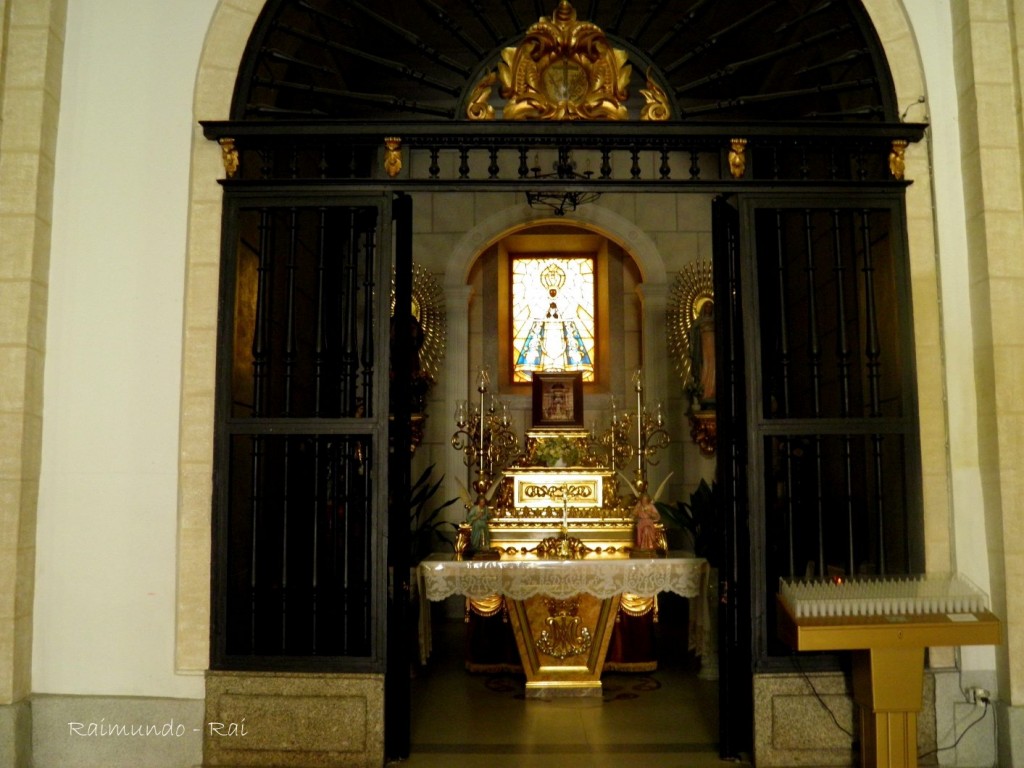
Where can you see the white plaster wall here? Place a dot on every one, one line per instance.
(105, 581)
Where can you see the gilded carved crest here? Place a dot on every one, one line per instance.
(564, 69)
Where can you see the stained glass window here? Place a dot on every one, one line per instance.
(552, 316)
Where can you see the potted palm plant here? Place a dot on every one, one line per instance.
(427, 527)
(700, 518)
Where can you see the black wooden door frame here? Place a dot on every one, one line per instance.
(397, 685)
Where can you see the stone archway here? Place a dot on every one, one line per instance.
(218, 72)
(508, 221)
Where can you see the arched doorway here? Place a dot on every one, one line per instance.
(251, 164)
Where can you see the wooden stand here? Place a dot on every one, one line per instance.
(888, 668)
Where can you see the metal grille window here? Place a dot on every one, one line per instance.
(299, 435)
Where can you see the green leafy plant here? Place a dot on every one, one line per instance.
(426, 525)
(550, 450)
(699, 516)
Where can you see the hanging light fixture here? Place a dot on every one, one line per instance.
(560, 202)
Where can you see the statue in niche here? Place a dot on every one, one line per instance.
(702, 354)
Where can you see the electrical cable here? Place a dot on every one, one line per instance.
(807, 679)
(955, 743)
(831, 714)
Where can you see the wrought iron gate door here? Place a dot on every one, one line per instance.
(833, 426)
(819, 459)
(301, 440)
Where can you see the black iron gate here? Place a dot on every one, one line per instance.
(301, 438)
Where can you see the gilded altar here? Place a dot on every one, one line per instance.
(562, 612)
(553, 506)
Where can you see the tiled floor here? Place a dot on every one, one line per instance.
(665, 718)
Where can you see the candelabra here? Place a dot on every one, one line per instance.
(651, 436)
(617, 441)
(485, 437)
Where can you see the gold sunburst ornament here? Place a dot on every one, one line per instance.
(691, 328)
(427, 330)
(428, 311)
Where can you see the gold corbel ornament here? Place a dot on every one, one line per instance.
(229, 156)
(897, 159)
(392, 156)
(738, 158)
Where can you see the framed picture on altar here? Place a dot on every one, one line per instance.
(558, 400)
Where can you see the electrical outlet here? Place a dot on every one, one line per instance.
(979, 695)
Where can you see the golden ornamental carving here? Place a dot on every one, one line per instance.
(897, 159)
(479, 107)
(229, 156)
(738, 158)
(564, 69)
(562, 548)
(463, 535)
(655, 101)
(393, 156)
(564, 637)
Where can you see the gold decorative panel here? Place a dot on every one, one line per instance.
(564, 69)
(557, 489)
(563, 643)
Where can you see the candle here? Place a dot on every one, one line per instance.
(639, 425)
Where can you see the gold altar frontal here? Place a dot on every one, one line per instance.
(563, 643)
(888, 661)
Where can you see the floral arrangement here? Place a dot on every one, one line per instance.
(549, 451)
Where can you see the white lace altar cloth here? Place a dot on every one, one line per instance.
(521, 579)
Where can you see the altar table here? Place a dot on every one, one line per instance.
(562, 611)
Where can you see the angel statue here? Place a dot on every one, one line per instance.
(646, 534)
(478, 515)
(647, 516)
(480, 535)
